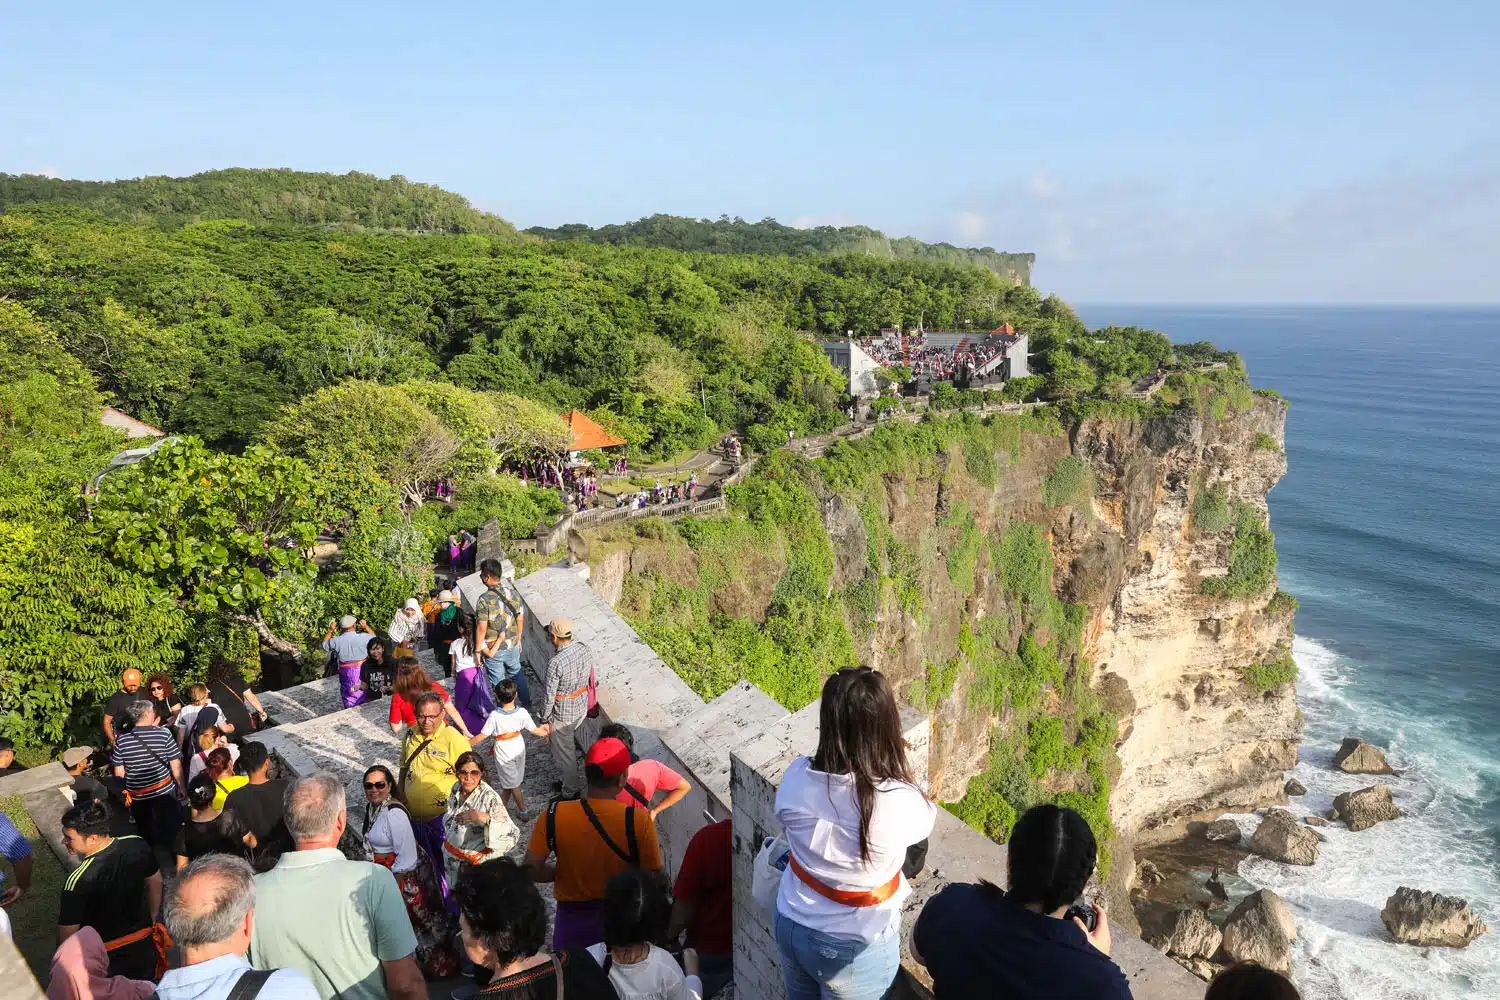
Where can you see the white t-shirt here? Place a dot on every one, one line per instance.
(820, 819)
(655, 977)
(463, 658)
(189, 715)
(391, 833)
(500, 722)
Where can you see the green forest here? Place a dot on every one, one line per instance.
(726, 235)
(318, 374)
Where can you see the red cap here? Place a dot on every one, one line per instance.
(610, 756)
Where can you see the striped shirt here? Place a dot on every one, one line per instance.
(568, 671)
(13, 843)
(146, 753)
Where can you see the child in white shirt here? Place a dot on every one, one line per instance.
(506, 724)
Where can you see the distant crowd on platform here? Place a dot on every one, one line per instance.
(274, 890)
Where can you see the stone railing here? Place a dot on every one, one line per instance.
(734, 750)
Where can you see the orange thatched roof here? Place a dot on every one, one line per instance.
(585, 435)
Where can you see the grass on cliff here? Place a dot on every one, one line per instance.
(1252, 558)
(1267, 677)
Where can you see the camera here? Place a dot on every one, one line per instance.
(1083, 910)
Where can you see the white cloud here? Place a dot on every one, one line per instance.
(46, 172)
(1395, 235)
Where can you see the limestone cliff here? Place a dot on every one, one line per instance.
(1038, 589)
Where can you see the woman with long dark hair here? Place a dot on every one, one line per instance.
(471, 692)
(1027, 940)
(849, 813)
(388, 830)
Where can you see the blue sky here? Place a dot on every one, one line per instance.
(1168, 152)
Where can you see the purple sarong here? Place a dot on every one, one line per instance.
(348, 681)
(471, 695)
(430, 838)
(578, 924)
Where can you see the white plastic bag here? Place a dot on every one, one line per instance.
(770, 863)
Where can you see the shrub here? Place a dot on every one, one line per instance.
(1266, 441)
(1063, 485)
(1270, 394)
(979, 460)
(1268, 676)
(1281, 603)
(963, 554)
(1218, 406)
(1252, 558)
(1211, 511)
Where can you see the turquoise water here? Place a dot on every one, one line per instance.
(1387, 529)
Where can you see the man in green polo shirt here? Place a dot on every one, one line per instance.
(341, 922)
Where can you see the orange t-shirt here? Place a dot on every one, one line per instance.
(584, 862)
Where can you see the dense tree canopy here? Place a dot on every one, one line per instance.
(726, 235)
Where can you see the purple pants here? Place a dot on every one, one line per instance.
(578, 924)
(430, 838)
(348, 681)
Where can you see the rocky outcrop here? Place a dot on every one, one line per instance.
(1426, 918)
(1281, 838)
(1190, 935)
(1222, 831)
(1355, 756)
(1363, 809)
(1261, 930)
(1294, 787)
(1197, 741)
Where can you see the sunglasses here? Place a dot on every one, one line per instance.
(374, 784)
(470, 772)
(157, 687)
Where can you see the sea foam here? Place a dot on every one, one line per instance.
(1440, 844)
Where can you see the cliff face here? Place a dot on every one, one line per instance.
(1039, 591)
(1196, 739)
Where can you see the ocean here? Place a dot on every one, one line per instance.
(1387, 531)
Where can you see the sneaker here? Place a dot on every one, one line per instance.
(465, 991)
(523, 815)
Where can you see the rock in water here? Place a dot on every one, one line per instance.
(1191, 935)
(1281, 838)
(1363, 809)
(1416, 917)
(1148, 874)
(1295, 787)
(1355, 756)
(1315, 821)
(1261, 930)
(1215, 886)
(1223, 831)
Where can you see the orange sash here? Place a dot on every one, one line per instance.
(159, 937)
(575, 694)
(472, 857)
(871, 897)
(508, 736)
(130, 796)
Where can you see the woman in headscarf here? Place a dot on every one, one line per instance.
(443, 628)
(387, 827)
(471, 692)
(80, 971)
(477, 827)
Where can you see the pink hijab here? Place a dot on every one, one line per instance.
(80, 971)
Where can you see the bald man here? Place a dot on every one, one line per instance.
(210, 912)
(130, 686)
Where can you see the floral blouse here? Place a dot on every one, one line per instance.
(499, 835)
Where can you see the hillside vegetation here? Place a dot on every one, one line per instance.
(726, 235)
(293, 197)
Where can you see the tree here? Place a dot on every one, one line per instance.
(70, 619)
(1069, 376)
(359, 425)
(221, 532)
(526, 427)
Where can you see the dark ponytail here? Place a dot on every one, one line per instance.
(1051, 857)
(859, 734)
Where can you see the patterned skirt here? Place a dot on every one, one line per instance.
(434, 927)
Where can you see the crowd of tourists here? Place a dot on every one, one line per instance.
(273, 891)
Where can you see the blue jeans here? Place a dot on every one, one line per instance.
(818, 966)
(507, 663)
